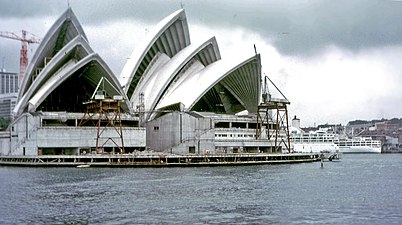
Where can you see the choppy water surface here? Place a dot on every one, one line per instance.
(360, 189)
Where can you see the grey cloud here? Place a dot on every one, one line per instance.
(305, 26)
(297, 27)
(30, 9)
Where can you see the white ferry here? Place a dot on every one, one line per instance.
(358, 145)
(324, 140)
(317, 142)
(313, 142)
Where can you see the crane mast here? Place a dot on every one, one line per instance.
(24, 48)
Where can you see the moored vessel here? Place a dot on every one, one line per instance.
(329, 141)
(358, 145)
(313, 142)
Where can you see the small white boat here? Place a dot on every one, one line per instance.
(329, 155)
(83, 166)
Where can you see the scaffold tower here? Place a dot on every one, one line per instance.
(107, 111)
(272, 119)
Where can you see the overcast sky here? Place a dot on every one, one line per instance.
(335, 61)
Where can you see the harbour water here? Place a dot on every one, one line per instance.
(359, 189)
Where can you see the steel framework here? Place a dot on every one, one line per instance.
(272, 117)
(108, 111)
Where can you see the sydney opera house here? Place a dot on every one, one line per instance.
(171, 96)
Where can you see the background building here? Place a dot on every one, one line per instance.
(8, 93)
(8, 82)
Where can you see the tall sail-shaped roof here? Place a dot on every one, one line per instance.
(74, 51)
(65, 71)
(231, 86)
(74, 84)
(62, 32)
(169, 37)
(167, 72)
(156, 82)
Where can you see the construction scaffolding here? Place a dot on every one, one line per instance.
(272, 119)
(107, 109)
(272, 124)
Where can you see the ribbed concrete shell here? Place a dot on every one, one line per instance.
(75, 50)
(90, 69)
(169, 37)
(62, 32)
(239, 80)
(65, 55)
(164, 72)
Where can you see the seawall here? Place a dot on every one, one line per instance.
(155, 160)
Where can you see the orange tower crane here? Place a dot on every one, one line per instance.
(24, 49)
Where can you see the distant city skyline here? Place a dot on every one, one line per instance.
(334, 61)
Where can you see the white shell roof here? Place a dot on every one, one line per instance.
(156, 82)
(167, 71)
(63, 31)
(241, 79)
(170, 36)
(78, 46)
(63, 51)
(69, 69)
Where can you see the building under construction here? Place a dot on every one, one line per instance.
(172, 96)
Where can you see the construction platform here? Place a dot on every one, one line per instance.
(155, 160)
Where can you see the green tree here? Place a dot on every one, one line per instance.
(4, 122)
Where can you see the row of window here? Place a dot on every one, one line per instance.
(359, 144)
(8, 83)
(6, 107)
(312, 140)
(234, 135)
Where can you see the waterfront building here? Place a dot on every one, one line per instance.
(204, 133)
(172, 95)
